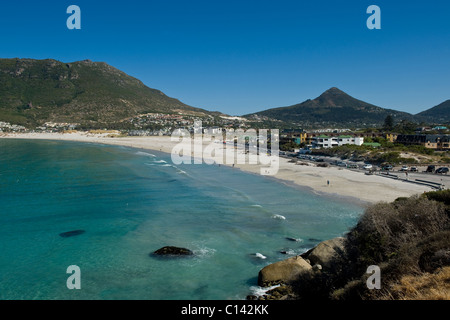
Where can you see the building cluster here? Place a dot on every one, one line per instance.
(430, 141)
(7, 127)
(161, 120)
(335, 138)
(160, 123)
(57, 126)
(317, 139)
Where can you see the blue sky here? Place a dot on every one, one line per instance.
(244, 56)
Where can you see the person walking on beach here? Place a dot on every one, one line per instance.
(328, 182)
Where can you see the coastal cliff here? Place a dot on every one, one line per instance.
(408, 239)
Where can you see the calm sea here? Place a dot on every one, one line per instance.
(132, 202)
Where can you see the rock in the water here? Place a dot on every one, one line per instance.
(326, 252)
(283, 271)
(173, 251)
(71, 233)
(293, 239)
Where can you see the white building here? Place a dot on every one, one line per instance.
(324, 141)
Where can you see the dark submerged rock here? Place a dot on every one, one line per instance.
(71, 233)
(172, 251)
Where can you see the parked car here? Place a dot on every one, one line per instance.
(414, 169)
(404, 168)
(342, 164)
(431, 168)
(367, 166)
(387, 167)
(442, 170)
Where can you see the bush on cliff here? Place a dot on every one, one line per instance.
(405, 238)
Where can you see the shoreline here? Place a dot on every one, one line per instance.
(345, 185)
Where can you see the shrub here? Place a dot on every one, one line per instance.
(386, 227)
(440, 196)
(389, 235)
(323, 165)
(408, 237)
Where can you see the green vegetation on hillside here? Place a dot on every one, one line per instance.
(93, 94)
(437, 114)
(334, 108)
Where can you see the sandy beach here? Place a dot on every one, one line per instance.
(342, 182)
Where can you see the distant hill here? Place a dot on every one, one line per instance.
(439, 114)
(96, 94)
(36, 91)
(333, 108)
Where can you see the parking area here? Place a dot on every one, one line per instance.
(437, 177)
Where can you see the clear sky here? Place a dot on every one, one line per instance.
(244, 56)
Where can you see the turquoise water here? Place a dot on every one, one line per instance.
(132, 202)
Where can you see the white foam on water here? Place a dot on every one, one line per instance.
(278, 217)
(158, 164)
(141, 153)
(290, 252)
(260, 291)
(260, 255)
(204, 252)
(296, 239)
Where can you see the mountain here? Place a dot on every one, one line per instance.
(94, 93)
(333, 108)
(439, 114)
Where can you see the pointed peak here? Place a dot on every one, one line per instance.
(333, 97)
(334, 90)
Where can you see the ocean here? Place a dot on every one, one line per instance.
(131, 202)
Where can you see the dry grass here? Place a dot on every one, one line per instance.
(427, 286)
(103, 131)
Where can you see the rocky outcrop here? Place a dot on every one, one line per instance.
(172, 251)
(310, 264)
(327, 252)
(283, 271)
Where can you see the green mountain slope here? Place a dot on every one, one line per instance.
(96, 94)
(36, 91)
(439, 114)
(332, 108)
